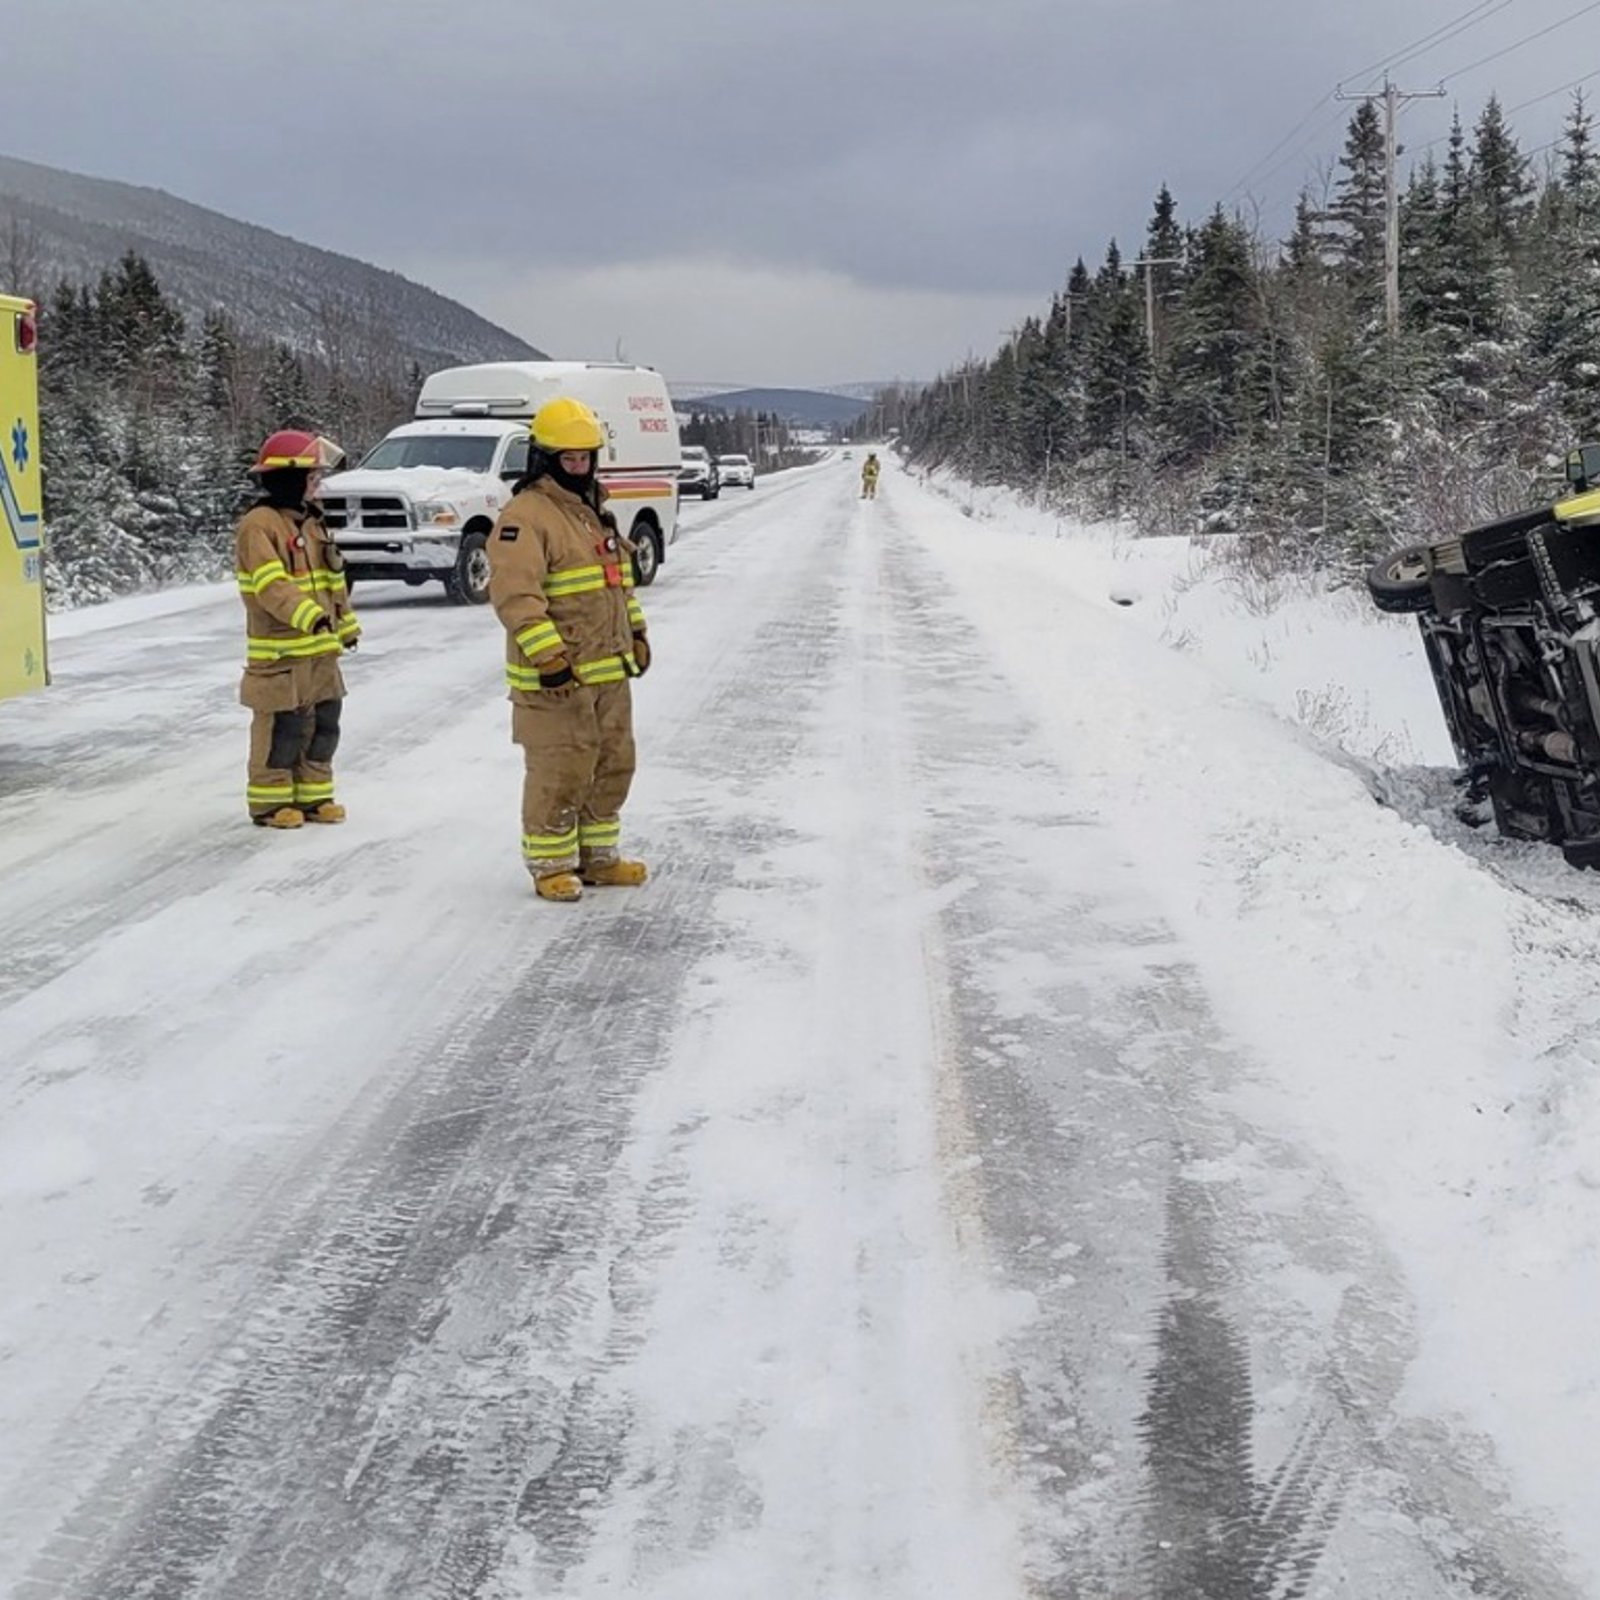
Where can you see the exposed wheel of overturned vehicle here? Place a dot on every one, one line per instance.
(1401, 581)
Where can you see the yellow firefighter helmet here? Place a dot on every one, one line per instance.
(566, 424)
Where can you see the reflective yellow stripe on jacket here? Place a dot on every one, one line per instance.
(306, 582)
(605, 669)
(267, 572)
(539, 640)
(312, 644)
(574, 580)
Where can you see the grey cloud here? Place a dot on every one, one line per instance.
(972, 148)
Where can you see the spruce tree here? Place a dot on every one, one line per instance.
(1213, 398)
(1565, 332)
(1358, 211)
(1501, 184)
(1116, 370)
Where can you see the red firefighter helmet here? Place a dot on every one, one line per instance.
(291, 447)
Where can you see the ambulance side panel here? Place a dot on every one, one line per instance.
(24, 664)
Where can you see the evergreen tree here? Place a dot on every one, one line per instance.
(1116, 371)
(1358, 213)
(1501, 184)
(286, 392)
(1165, 243)
(1565, 332)
(1214, 382)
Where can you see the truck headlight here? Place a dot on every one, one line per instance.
(436, 514)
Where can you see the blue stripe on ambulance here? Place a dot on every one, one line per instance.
(16, 518)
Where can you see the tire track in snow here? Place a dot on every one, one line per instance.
(452, 1294)
(141, 832)
(845, 1453)
(1167, 1243)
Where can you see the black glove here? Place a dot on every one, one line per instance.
(557, 674)
(641, 653)
(352, 642)
(323, 624)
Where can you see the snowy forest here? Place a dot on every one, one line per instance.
(1266, 396)
(149, 425)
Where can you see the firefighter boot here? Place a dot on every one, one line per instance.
(283, 817)
(559, 886)
(325, 811)
(616, 873)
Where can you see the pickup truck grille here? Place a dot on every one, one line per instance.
(366, 513)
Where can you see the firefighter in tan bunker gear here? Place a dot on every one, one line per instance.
(298, 622)
(561, 581)
(869, 477)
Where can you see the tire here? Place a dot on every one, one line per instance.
(646, 556)
(467, 583)
(1399, 583)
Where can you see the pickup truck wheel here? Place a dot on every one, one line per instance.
(646, 557)
(1400, 583)
(468, 582)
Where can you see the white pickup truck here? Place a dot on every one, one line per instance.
(421, 504)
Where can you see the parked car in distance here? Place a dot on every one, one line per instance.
(737, 470)
(1510, 618)
(699, 474)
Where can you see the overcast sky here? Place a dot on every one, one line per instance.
(782, 191)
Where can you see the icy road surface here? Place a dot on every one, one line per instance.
(912, 1192)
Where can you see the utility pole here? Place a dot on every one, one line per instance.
(1150, 263)
(1392, 100)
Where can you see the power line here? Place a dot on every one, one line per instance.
(1251, 172)
(1550, 94)
(1446, 31)
(1461, 72)
(1273, 162)
(1317, 133)
(1481, 11)
(1522, 105)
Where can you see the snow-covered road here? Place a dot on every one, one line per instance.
(935, 1183)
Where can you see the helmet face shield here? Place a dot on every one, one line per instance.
(291, 447)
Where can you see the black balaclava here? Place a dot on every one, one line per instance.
(581, 484)
(285, 487)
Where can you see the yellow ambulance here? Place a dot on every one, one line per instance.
(23, 663)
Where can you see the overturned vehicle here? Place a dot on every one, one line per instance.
(1510, 617)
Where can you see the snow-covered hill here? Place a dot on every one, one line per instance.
(55, 223)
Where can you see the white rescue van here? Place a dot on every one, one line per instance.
(421, 504)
